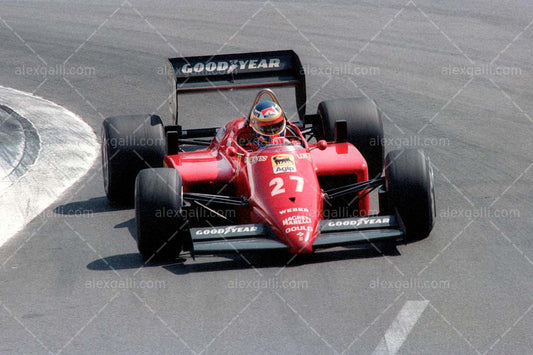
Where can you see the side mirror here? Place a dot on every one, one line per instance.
(231, 152)
(322, 144)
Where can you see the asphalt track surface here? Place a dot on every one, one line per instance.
(453, 78)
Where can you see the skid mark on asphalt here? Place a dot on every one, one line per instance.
(32, 145)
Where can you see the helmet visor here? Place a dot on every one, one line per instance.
(271, 128)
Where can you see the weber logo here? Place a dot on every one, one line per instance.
(230, 66)
(295, 209)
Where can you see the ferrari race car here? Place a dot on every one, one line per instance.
(207, 192)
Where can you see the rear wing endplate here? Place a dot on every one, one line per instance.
(236, 71)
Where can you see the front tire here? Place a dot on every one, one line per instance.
(161, 229)
(410, 189)
(364, 125)
(129, 144)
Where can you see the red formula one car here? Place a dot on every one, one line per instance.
(213, 191)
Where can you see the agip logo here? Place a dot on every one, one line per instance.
(283, 163)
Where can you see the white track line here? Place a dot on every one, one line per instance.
(401, 327)
(68, 148)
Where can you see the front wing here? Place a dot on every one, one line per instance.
(259, 237)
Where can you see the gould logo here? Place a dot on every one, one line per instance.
(228, 67)
(299, 228)
(283, 163)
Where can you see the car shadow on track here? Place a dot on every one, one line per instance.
(131, 226)
(186, 265)
(259, 261)
(90, 206)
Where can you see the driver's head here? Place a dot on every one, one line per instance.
(267, 121)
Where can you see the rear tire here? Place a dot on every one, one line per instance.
(364, 125)
(410, 189)
(129, 144)
(161, 232)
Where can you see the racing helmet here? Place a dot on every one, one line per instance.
(267, 121)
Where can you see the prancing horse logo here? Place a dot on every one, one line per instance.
(283, 159)
(283, 163)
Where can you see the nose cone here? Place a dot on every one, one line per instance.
(285, 193)
(300, 231)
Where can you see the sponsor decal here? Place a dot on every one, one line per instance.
(228, 67)
(257, 158)
(296, 209)
(359, 222)
(292, 220)
(224, 231)
(304, 156)
(283, 163)
(269, 112)
(299, 228)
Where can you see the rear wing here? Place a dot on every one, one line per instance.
(236, 71)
